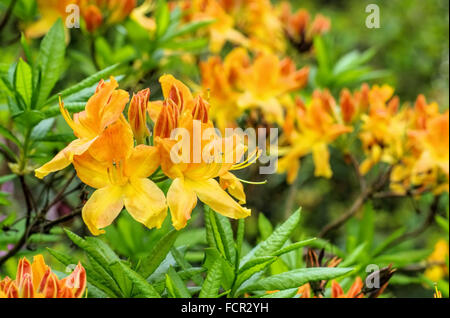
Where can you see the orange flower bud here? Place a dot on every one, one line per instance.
(347, 105)
(93, 17)
(167, 119)
(137, 115)
(200, 111)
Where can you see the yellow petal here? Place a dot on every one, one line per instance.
(115, 144)
(210, 193)
(39, 268)
(321, 158)
(91, 171)
(102, 208)
(144, 160)
(167, 81)
(145, 202)
(230, 182)
(64, 157)
(182, 200)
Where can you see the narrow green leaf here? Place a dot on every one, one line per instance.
(8, 135)
(51, 60)
(265, 227)
(294, 246)
(41, 129)
(297, 278)
(151, 262)
(74, 107)
(175, 285)
(211, 285)
(7, 177)
(162, 17)
(288, 293)
(276, 240)
(252, 267)
(23, 82)
(87, 82)
(144, 289)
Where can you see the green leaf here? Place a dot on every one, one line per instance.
(222, 234)
(211, 285)
(186, 45)
(252, 267)
(265, 227)
(175, 285)
(51, 60)
(293, 246)
(159, 252)
(162, 17)
(276, 240)
(143, 288)
(41, 129)
(354, 256)
(74, 107)
(7, 177)
(87, 82)
(8, 135)
(23, 82)
(297, 278)
(26, 48)
(288, 293)
(187, 28)
(391, 238)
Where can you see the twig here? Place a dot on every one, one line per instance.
(7, 14)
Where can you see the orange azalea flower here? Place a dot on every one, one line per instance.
(223, 27)
(195, 177)
(353, 292)
(299, 28)
(120, 174)
(102, 109)
(310, 130)
(98, 12)
(383, 132)
(36, 280)
(137, 115)
(236, 85)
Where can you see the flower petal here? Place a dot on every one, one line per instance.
(91, 171)
(64, 157)
(102, 208)
(321, 158)
(39, 268)
(210, 193)
(145, 202)
(230, 182)
(182, 200)
(144, 160)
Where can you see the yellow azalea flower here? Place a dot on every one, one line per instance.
(119, 172)
(314, 129)
(49, 11)
(36, 280)
(237, 85)
(193, 178)
(384, 129)
(440, 254)
(221, 30)
(139, 14)
(137, 115)
(264, 92)
(102, 109)
(434, 158)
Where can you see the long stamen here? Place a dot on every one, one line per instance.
(252, 182)
(251, 159)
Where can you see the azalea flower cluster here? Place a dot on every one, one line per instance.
(109, 155)
(414, 140)
(255, 24)
(36, 280)
(239, 84)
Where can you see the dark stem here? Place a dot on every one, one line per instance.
(7, 14)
